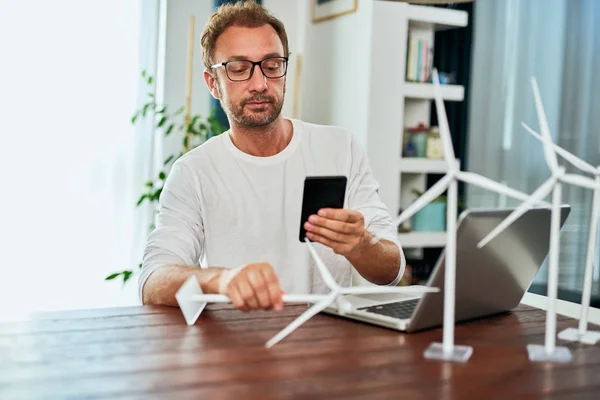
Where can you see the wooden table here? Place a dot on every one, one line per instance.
(149, 353)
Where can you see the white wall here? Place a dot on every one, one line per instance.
(290, 13)
(335, 87)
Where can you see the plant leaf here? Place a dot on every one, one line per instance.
(144, 73)
(149, 80)
(156, 194)
(149, 184)
(112, 276)
(169, 129)
(144, 196)
(180, 110)
(185, 142)
(169, 159)
(145, 109)
(135, 116)
(162, 121)
(162, 176)
(126, 276)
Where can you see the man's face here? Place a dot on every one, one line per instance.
(259, 100)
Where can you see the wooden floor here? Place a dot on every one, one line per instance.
(149, 353)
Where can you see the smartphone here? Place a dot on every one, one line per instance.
(321, 192)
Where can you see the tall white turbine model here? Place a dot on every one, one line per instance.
(448, 350)
(192, 301)
(548, 352)
(582, 334)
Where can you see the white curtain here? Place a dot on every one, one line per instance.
(558, 41)
(73, 165)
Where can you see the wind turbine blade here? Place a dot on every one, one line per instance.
(535, 198)
(493, 186)
(323, 270)
(570, 157)
(549, 153)
(434, 192)
(302, 318)
(442, 118)
(578, 180)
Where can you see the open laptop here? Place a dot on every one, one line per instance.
(489, 280)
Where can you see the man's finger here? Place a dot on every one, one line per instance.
(247, 293)
(334, 225)
(260, 289)
(340, 214)
(236, 298)
(273, 288)
(337, 247)
(329, 234)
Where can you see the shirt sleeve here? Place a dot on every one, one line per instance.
(178, 236)
(363, 196)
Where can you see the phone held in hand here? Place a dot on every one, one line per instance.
(321, 192)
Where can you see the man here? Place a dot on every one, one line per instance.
(234, 202)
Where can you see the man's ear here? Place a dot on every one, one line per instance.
(211, 83)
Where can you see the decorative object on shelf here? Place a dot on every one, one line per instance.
(448, 350)
(431, 218)
(549, 351)
(447, 78)
(434, 144)
(418, 138)
(326, 10)
(192, 301)
(582, 334)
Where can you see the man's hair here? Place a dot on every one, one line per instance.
(247, 14)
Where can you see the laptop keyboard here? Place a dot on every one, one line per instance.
(400, 309)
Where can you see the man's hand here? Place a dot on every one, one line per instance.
(252, 287)
(341, 229)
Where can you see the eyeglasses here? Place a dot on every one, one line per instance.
(242, 70)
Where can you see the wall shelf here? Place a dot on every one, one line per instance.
(437, 19)
(422, 239)
(425, 91)
(419, 165)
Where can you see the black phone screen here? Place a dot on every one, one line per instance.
(321, 192)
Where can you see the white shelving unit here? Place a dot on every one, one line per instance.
(395, 105)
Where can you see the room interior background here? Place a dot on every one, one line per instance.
(558, 41)
(75, 165)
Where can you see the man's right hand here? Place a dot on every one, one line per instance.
(252, 287)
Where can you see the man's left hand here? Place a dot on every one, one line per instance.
(340, 229)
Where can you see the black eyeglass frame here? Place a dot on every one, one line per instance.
(254, 64)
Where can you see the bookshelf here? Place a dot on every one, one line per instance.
(396, 104)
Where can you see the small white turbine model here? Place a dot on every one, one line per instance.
(548, 352)
(582, 334)
(192, 301)
(448, 350)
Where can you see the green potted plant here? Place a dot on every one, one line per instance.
(195, 128)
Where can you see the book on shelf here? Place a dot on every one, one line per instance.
(419, 60)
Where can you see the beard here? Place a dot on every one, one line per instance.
(253, 117)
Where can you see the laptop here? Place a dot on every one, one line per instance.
(489, 281)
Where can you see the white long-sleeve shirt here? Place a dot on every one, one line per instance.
(221, 207)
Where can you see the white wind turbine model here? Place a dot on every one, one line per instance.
(448, 350)
(548, 352)
(192, 301)
(582, 334)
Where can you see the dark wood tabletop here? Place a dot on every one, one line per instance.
(150, 353)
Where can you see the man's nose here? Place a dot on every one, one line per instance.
(258, 81)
